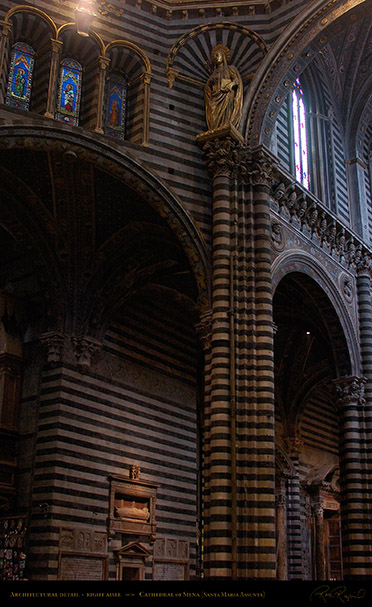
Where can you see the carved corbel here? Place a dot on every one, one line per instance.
(204, 329)
(84, 349)
(172, 74)
(294, 445)
(53, 343)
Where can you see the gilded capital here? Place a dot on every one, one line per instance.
(56, 46)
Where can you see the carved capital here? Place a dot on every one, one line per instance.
(84, 350)
(103, 63)
(7, 27)
(363, 262)
(349, 391)
(262, 165)
(222, 151)
(56, 46)
(53, 343)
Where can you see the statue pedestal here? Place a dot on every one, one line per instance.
(222, 133)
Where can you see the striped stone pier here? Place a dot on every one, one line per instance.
(350, 401)
(364, 271)
(256, 434)
(239, 454)
(221, 148)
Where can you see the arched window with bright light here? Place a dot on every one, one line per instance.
(300, 136)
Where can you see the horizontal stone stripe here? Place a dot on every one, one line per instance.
(115, 401)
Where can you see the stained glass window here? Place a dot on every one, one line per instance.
(20, 76)
(69, 92)
(115, 110)
(301, 153)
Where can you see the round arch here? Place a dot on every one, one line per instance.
(133, 48)
(118, 163)
(33, 11)
(346, 347)
(289, 53)
(66, 27)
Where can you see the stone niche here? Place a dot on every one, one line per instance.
(132, 507)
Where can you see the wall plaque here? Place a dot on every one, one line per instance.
(82, 567)
(171, 559)
(169, 571)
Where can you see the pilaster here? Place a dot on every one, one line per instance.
(56, 49)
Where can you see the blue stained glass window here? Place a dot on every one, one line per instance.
(115, 107)
(20, 76)
(69, 92)
(301, 153)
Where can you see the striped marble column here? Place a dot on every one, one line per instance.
(220, 148)
(355, 523)
(365, 329)
(294, 513)
(255, 420)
